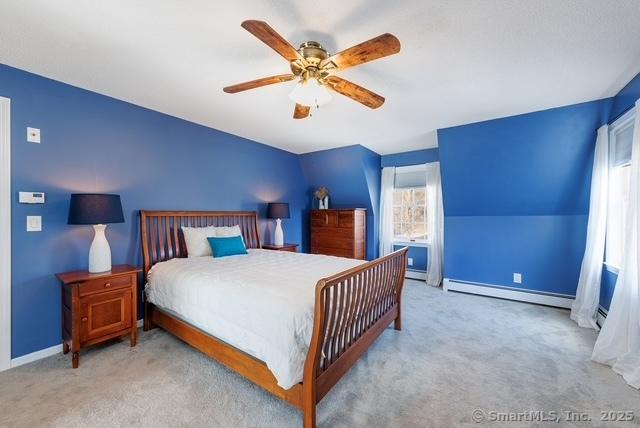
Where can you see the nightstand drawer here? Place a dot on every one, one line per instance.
(104, 313)
(105, 284)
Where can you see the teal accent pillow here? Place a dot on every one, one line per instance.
(228, 246)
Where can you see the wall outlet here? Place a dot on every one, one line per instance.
(33, 135)
(410, 261)
(34, 223)
(517, 278)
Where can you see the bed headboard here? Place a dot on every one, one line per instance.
(161, 231)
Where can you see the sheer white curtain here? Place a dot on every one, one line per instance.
(386, 210)
(435, 224)
(584, 309)
(618, 343)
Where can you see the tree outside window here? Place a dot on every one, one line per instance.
(410, 213)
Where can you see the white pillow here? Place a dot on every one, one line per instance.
(196, 240)
(228, 231)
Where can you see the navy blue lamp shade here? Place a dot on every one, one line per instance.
(278, 210)
(95, 208)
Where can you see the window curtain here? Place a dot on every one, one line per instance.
(386, 210)
(584, 309)
(618, 344)
(435, 224)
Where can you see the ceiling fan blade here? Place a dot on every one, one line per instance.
(355, 92)
(376, 48)
(271, 38)
(301, 112)
(258, 83)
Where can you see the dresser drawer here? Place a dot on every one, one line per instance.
(106, 284)
(324, 218)
(332, 241)
(345, 218)
(333, 232)
(339, 252)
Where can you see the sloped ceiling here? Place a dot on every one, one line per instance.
(461, 60)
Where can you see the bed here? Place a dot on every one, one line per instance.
(292, 323)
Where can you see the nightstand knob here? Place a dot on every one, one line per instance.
(107, 285)
(84, 319)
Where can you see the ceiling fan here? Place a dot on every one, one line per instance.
(315, 69)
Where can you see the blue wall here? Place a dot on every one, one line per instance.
(415, 157)
(516, 196)
(626, 98)
(92, 143)
(607, 286)
(352, 175)
(419, 256)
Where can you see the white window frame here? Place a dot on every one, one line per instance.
(5, 232)
(413, 242)
(622, 122)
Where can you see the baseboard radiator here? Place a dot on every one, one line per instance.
(602, 315)
(415, 274)
(509, 293)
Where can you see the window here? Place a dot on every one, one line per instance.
(410, 214)
(620, 139)
(410, 204)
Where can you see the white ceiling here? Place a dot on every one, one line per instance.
(461, 61)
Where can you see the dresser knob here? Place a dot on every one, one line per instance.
(107, 285)
(84, 319)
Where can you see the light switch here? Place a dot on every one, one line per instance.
(410, 261)
(33, 135)
(34, 223)
(517, 278)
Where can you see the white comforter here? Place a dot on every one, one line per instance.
(261, 303)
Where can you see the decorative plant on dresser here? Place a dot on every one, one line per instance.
(339, 232)
(322, 195)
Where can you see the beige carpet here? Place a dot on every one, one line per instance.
(456, 353)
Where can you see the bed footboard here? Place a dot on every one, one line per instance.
(352, 309)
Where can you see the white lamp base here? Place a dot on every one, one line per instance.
(100, 252)
(278, 236)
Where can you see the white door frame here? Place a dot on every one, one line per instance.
(5, 233)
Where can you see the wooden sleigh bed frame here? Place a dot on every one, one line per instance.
(352, 308)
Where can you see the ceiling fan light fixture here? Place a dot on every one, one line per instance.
(315, 69)
(310, 93)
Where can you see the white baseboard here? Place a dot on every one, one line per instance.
(509, 293)
(415, 274)
(43, 353)
(35, 356)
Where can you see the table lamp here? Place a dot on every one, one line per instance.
(278, 211)
(98, 210)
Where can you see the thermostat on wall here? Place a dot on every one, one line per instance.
(31, 198)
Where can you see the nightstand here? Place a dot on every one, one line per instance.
(293, 248)
(97, 307)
